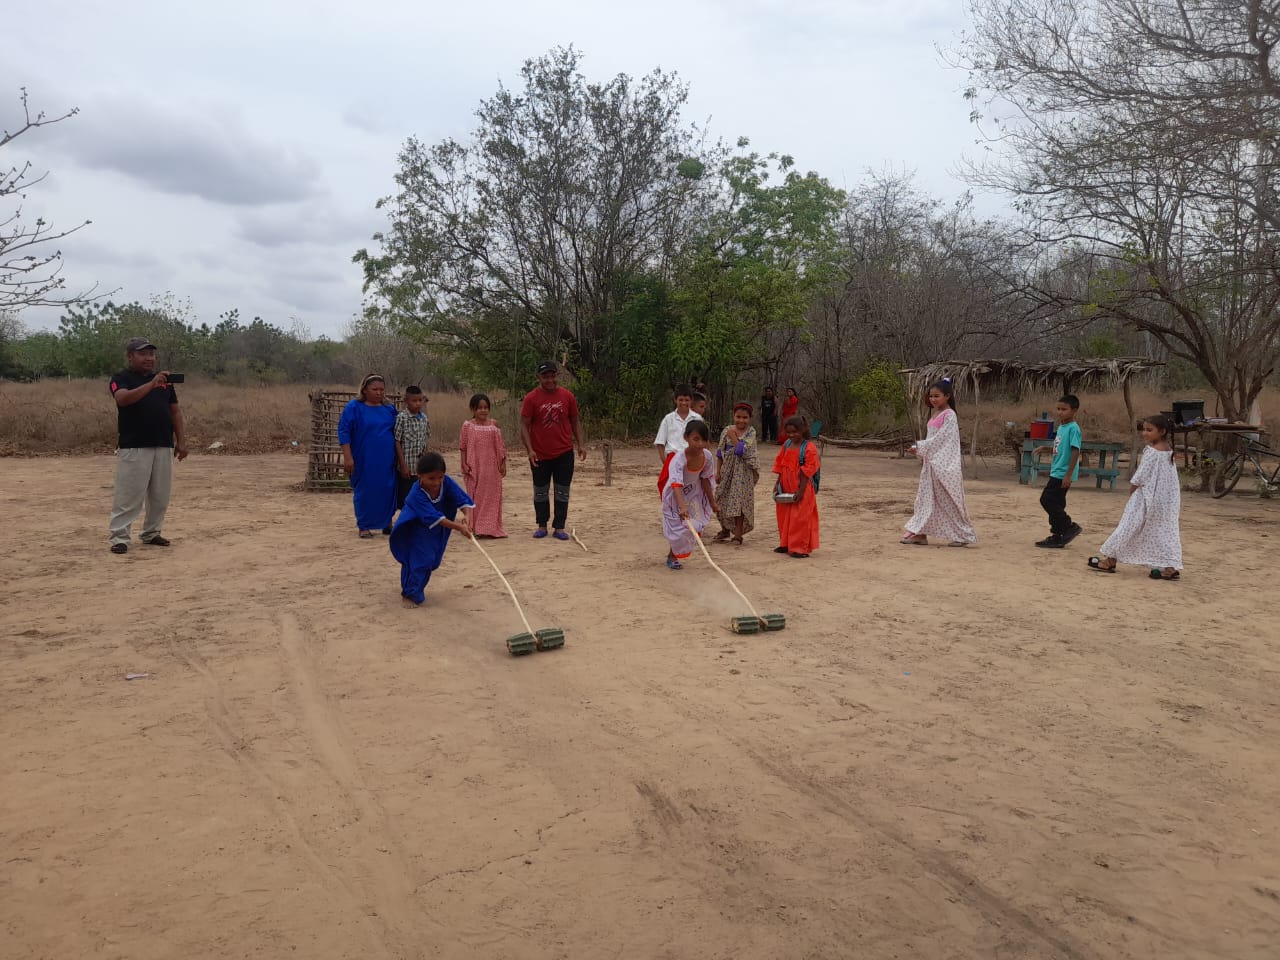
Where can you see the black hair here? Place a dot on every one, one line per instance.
(801, 425)
(1071, 400)
(430, 462)
(1164, 424)
(480, 398)
(944, 387)
(699, 427)
(682, 390)
(412, 390)
(769, 389)
(699, 396)
(794, 390)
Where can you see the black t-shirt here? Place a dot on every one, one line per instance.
(147, 423)
(767, 406)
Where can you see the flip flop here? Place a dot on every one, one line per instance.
(910, 541)
(367, 534)
(1095, 563)
(1158, 574)
(674, 564)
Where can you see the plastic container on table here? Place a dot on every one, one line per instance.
(1041, 429)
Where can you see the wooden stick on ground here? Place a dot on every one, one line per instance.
(519, 609)
(707, 553)
(574, 533)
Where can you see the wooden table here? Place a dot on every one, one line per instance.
(1031, 468)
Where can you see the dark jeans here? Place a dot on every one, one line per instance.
(404, 486)
(768, 428)
(1054, 501)
(560, 472)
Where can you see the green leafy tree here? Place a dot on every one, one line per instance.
(523, 243)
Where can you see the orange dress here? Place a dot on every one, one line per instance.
(797, 522)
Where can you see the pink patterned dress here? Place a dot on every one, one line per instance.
(940, 510)
(485, 452)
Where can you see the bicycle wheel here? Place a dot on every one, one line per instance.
(1224, 479)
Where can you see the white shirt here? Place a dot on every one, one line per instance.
(671, 433)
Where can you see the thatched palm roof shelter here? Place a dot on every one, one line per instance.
(971, 377)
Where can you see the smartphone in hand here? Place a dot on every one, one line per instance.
(176, 378)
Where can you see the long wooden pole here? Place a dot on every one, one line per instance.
(1133, 426)
(519, 609)
(707, 553)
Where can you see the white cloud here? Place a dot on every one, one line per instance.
(232, 153)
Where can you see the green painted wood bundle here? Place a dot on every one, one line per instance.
(521, 644)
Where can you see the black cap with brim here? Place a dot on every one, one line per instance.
(138, 343)
(547, 367)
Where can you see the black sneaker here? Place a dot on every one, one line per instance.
(1052, 542)
(156, 542)
(1074, 531)
(119, 548)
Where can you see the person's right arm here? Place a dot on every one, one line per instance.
(345, 424)
(127, 398)
(527, 439)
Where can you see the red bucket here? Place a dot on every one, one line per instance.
(1040, 429)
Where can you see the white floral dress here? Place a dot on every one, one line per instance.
(1148, 533)
(940, 508)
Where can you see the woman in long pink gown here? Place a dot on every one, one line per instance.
(484, 465)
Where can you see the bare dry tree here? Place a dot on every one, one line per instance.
(30, 263)
(1140, 138)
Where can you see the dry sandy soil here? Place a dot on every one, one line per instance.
(980, 753)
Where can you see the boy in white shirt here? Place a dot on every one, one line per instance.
(670, 439)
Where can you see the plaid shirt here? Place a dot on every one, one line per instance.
(413, 432)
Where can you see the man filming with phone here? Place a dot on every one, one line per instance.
(151, 426)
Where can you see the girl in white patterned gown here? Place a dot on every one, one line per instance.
(940, 509)
(1148, 532)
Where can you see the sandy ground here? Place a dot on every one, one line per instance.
(980, 753)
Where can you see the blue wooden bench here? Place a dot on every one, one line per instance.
(1032, 468)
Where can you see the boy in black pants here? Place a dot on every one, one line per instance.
(1062, 472)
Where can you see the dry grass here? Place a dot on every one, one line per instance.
(59, 417)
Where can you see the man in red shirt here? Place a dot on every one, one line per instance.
(550, 429)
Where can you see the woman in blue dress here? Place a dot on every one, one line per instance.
(366, 431)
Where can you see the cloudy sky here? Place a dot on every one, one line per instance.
(232, 153)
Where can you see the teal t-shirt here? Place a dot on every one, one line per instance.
(1068, 437)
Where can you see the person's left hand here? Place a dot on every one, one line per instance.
(180, 452)
(502, 468)
(1066, 483)
(464, 528)
(582, 453)
(715, 507)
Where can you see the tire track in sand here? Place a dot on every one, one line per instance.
(271, 793)
(379, 850)
(967, 888)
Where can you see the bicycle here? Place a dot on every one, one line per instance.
(1224, 479)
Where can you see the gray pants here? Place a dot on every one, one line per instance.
(143, 478)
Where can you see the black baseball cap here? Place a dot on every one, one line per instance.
(547, 367)
(135, 344)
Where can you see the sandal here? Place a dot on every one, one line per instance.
(722, 536)
(737, 541)
(1158, 574)
(367, 534)
(539, 533)
(560, 535)
(674, 564)
(780, 550)
(1095, 563)
(914, 540)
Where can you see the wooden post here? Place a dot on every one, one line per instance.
(1134, 441)
(973, 444)
(607, 451)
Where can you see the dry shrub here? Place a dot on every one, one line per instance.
(60, 417)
